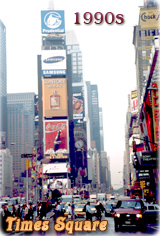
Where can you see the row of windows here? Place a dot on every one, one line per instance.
(152, 32)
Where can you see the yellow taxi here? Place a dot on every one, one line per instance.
(78, 210)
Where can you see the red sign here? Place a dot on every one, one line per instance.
(56, 136)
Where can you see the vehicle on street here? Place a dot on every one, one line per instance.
(12, 201)
(93, 197)
(152, 213)
(101, 197)
(109, 209)
(78, 210)
(130, 212)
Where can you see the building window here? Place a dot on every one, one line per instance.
(158, 31)
(143, 33)
(143, 43)
(144, 72)
(143, 53)
(144, 63)
(151, 42)
(151, 32)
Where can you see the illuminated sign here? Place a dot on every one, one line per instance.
(53, 62)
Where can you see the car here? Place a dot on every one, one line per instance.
(78, 210)
(130, 212)
(152, 213)
(109, 209)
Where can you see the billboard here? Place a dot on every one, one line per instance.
(54, 92)
(53, 62)
(134, 102)
(56, 138)
(149, 18)
(155, 109)
(77, 107)
(54, 168)
(52, 22)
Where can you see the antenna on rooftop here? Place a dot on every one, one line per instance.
(51, 4)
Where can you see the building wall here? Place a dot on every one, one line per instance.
(6, 166)
(3, 84)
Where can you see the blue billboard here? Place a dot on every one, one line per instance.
(52, 22)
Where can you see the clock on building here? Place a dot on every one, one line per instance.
(79, 143)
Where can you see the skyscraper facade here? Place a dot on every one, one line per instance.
(21, 127)
(3, 87)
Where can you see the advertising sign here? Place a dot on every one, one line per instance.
(54, 92)
(155, 108)
(56, 136)
(78, 108)
(149, 18)
(53, 62)
(55, 168)
(150, 158)
(52, 22)
(134, 102)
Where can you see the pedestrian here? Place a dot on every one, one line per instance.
(58, 209)
(88, 212)
(69, 211)
(62, 208)
(72, 206)
(5, 214)
(19, 212)
(30, 212)
(13, 211)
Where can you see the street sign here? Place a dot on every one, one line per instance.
(26, 155)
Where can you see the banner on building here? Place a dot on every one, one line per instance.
(155, 109)
(52, 22)
(149, 18)
(56, 138)
(53, 62)
(77, 107)
(54, 92)
(53, 168)
(134, 102)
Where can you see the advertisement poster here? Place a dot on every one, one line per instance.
(56, 136)
(53, 62)
(78, 111)
(54, 92)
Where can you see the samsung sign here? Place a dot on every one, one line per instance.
(53, 62)
(53, 59)
(52, 22)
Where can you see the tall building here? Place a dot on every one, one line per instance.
(143, 40)
(21, 127)
(6, 168)
(3, 87)
(101, 129)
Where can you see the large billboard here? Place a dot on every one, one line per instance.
(52, 22)
(149, 18)
(53, 62)
(53, 168)
(54, 92)
(56, 138)
(77, 107)
(155, 109)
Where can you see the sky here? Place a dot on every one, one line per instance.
(107, 51)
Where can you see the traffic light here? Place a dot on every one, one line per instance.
(142, 184)
(136, 162)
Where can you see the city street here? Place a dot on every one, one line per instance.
(152, 229)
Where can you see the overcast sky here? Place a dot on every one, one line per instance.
(108, 58)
